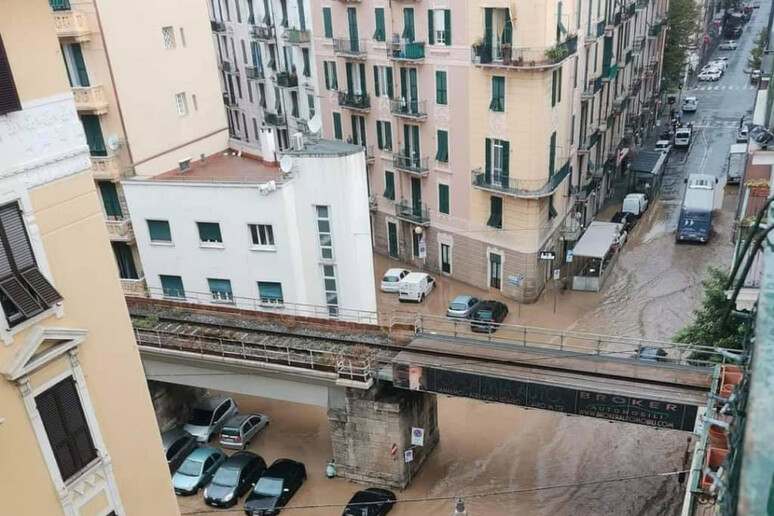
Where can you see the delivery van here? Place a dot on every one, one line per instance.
(415, 287)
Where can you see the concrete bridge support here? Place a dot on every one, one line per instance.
(173, 403)
(365, 424)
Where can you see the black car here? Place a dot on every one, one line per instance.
(625, 218)
(488, 316)
(177, 445)
(649, 354)
(370, 502)
(275, 488)
(235, 477)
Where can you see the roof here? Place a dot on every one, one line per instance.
(394, 270)
(320, 147)
(225, 167)
(597, 240)
(462, 299)
(647, 161)
(211, 402)
(239, 459)
(281, 466)
(171, 436)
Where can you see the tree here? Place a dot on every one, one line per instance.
(684, 18)
(757, 53)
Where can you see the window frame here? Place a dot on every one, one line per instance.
(228, 299)
(207, 243)
(181, 104)
(164, 289)
(150, 232)
(168, 37)
(442, 94)
(271, 301)
(266, 241)
(448, 199)
(322, 247)
(333, 308)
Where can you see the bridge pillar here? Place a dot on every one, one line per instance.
(365, 425)
(172, 403)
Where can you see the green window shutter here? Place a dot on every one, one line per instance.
(498, 94)
(380, 33)
(553, 88)
(390, 88)
(327, 76)
(408, 24)
(221, 288)
(447, 26)
(506, 162)
(93, 130)
(376, 81)
(440, 88)
(403, 83)
(337, 134)
(406, 140)
(159, 231)
(494, 258)
(172, 286)
(379, 140)
(363, 82)
(488, 159)
(559, 85)
(350, 81)
(495, 213)
(430, 29)
(415, 141)
(389, 185)
(388, 135)
(488, 30)
(209, 232)
(110, 199)
(334, 76)
(443, 198)
(80, 65)
(508, 30)
(327, 22)
(270, 291)
(551, 210)
(552, 155)
(442, 154)
(307, 64)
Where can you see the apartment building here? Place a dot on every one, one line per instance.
(233, 230)
(77, 428)
(267, 71)
(495, 129)
(147, 96)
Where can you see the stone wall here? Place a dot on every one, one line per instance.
(172, 403)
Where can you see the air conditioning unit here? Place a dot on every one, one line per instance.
(298, 141)
(184, 164)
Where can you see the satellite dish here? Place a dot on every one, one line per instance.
(286, 164)
(315, 124)
(113, 142)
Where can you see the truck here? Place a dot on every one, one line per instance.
(737, 155)
(695, 223)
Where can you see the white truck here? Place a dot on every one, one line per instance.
(737, 156)
(683, 136)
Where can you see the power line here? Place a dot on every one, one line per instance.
(465, 497)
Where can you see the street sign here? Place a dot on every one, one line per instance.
(547, 255)
(394, 450)
(408, 456)
(569, 256)
(422, 249)
(417, 436)
(557, 274)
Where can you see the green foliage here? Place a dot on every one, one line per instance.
(684, 16)
(147, 322)
(708, 328)
(757, 53)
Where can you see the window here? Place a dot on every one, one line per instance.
(552, 155)
(439, 26)
(244, 50)
(337, 132)
(238, 10)
(182, 37)
(551, 208)
(392, 240)
(125, 260)
(75, 65)
(384, 134)
(220, 289)
(331, 77)
(159, 231)
(307, 65)
(380, 32)
(110, 200)
(408, 24)
(495, 212)
(93, 130)
(9, 98)
(172, 286)
(310, 105)
(498, 94)
(331, 293)
(262, 235)
(443, 198)
(442, 154)
(556, 87)
(383, 86)
(446, 259)
(65, 423)
(324, 232)
(209, 232)
(441, 96)
(497, 170)
(169, 37)
(495, 270)
(181, 104)
(327, 23)
(416, 240)
(270, 293)
(389, 185)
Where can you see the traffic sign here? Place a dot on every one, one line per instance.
(547, 255)
(408, 456)
(417, 436)
(557, 274)
(569, 256)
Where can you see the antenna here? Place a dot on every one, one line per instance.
(113, 142)
(286, 164)
(315, 124)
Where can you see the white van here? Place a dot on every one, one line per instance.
(635, 203)
(415, 287)
(683, 137)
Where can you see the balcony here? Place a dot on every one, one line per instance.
(287, 80)
(351, 48)
(225, 66)
(411, 109)
(641, 5)
(90, 99)
(369, 155)
(617, 19)
(217, 26)
(593, 88)
(588, 143)
(373, 202)
(228, 101)
(298, 36)
(71, 25)
(107, 168)
(655, 28)
(355, 101)
(120, 230)
(254, 73)
(413, 51)
(419, 214)
(620, 103)
(262, 33)
(505, 56)
(274, 119)
(631, 10)
(609, 71)
(417, 166)
(134, 287)
(521, 188)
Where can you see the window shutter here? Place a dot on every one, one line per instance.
(389, 185)
(508, 30)
(328, 24)
(488, 160)
(552, 155)
(406, 141)
(337, 126)
(430, 29)
(80, 65)
(41, 286)
(93, 130)
(388, 135)
(327, 76)
(379, 34)
(301, 15)
(443, 198)
(209, 232)
(506, 159)
(350, 82)
(15, 291)
(443, 146)
(379, 140)
(559, 84)
(447, 26)
(553, 88)
(363, 83)
(9, 97)
(390, 89)
(159, 231)
(16, 236)
(172, 286)
(270, 291)
(376, 81)
(110, 199)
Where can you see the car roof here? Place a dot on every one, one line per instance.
(489, 303)
(240, 458)
(202, 453)
(171, 436)
(237, 419)
(394, 272)
(372, 494)
(211, 402)
(415, 276)
(464, 298)
(281, 466)
(690, 99)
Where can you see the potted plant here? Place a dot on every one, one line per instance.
(556, 54)
(506, 50)
(715, 458)
(478, 48)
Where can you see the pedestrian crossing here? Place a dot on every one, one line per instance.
(726, 88)
(717, 124)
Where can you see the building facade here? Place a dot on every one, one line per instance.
(147, 97)
(267, 71)
(77, 427)
(235, 231)
(495, 130)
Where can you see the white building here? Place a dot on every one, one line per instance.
(235, 230)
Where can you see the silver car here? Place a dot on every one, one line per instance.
(209, 416)
(462, 306)
(241, 429)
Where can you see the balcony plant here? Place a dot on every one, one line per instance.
(557, 53)
(478, 50)
(506, 50)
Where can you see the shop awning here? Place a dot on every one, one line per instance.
(597, 240)
(649, 162)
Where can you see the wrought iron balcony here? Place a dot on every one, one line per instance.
(416, 165)
(521, 188)
(287, 80)
(356, 101)
(275, 119)
(620, 103)
(298, 36)
(413, 109)
(255, 73)
(418, 214)
(519, 58)
(262, 33)
(353, 48)
(642, 4)
(655, 28)
(217, 26)
(406, 50)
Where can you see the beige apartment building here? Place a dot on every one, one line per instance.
(78, 435)
(146, 95)
(495, 129)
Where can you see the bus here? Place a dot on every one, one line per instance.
(695, 224)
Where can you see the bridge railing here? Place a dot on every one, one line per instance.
(358, 365)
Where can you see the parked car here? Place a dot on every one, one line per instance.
(240, 430)
(209, 416)
(235, 477)
(370, 502)
(488, 316)
(415, 287)
(275, 488)
(177, 445)
(462, 306)
(649, 354)
(690, 104)
(626, 218)
(197, 470)
(663, 146)
(710, 75)
(743, 134)
(755, 75)
(683, 136)
(635, 203)
(728, 45)
(720, 64)
(392, 278)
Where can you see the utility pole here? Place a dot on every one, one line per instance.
(459, 508)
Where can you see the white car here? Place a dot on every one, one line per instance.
(755, 75)
(710, 76)
(690, 104)
(391, 279)
(663, 146)
(719, 64)
(728, 45)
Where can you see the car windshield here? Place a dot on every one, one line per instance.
(230, 431)
(483, 315)
(390, 279)
(268, 486)
(200, 417)
(458, 306)
(226, 477)
(190, 468)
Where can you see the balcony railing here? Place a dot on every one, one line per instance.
(523, 188)
(71, 24)
(593, 88)
(228, 101)
(609, 71)
(275, 119)
(588, 143)
(655, 28)
(225, 66)
(91, 99)
(355, 48)
(107, 168)
(217, 26)
(357, 101)
(414, 109)
(298, 36)
(415, 165)
(262, 32)
(255, 73)
(287, 80)
(418, 214)
(523, 58)
(134, 287)
(406, 50)
(120, 230)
